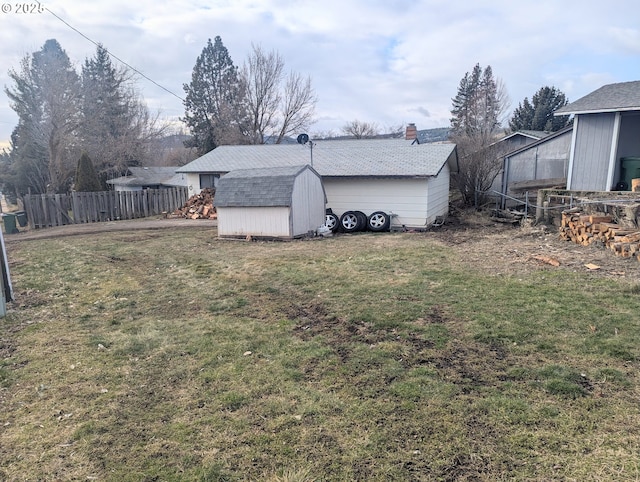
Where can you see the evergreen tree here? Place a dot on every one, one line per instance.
(538, 115)
(86, 177)
(477, 106)
(215, 108)
(116, 127)
(45, 96)
(476, 111)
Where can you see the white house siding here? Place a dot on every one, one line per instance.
(406, 199)
(254, 221)
(438, 195)
(590, 165)
(193, 183)
(127, 188)
(308, 202)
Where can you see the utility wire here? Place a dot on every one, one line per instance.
(112, 55)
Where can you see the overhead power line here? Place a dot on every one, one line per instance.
(114, 56)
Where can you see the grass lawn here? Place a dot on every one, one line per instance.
(160, 355)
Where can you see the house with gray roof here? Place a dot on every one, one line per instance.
(272, 202)
(405, 181)
(605, 146)
(139, 178)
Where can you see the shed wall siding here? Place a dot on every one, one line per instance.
(254, 221)
(438, 195)
(594, 136)
(308, 203)
(406, 198)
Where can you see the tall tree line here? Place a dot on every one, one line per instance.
(62, 113)
(255, 104)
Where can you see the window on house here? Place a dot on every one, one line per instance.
(208, 180)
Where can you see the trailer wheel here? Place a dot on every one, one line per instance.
(362, 220)
(331, 222)
(349, 222)
(379, 221)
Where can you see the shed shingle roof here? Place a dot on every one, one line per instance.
(344, 158)
(266, 187)
(623, 96)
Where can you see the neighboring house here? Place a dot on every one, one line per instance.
(140, 178)
(605, 147)
(505, 145)
(407, 181)
(519, 139)
(536, 165)
(275, 202)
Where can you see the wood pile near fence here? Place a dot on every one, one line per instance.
(600, 229)
(199, 206)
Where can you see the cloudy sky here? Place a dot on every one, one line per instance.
(385, 61)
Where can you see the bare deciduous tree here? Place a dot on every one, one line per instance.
(360, 129)
(298, 105)
(276, 110)
(262, 74)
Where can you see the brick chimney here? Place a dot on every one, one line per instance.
(411, 133)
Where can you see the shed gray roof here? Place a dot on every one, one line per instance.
(623, 96)
(344, 158)
(266, 187)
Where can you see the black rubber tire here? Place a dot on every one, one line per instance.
(349, 222)
(362, 220)
(331, 221)
(379, 221)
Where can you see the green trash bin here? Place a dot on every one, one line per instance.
(9, 221)
(630, 170)
(21, 217)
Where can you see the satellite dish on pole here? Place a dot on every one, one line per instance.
(303, 139)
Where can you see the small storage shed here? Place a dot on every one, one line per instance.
(276, 202)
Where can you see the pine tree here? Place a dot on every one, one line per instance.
(538, 115)
(116, 126)
(45, 96)
(476, 111)
(86, 177)
(215, 109)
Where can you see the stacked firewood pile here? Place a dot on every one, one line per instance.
(601, 230)
(199, 206)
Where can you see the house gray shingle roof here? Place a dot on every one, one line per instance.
(150, 176)
(622, 96)
(266, 187)
(344, 158)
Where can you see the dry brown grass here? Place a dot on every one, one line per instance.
(447, 355)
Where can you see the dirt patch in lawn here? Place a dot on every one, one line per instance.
(500, 248)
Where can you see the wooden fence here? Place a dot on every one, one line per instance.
(49, 210)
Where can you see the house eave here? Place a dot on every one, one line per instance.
(598, 111)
